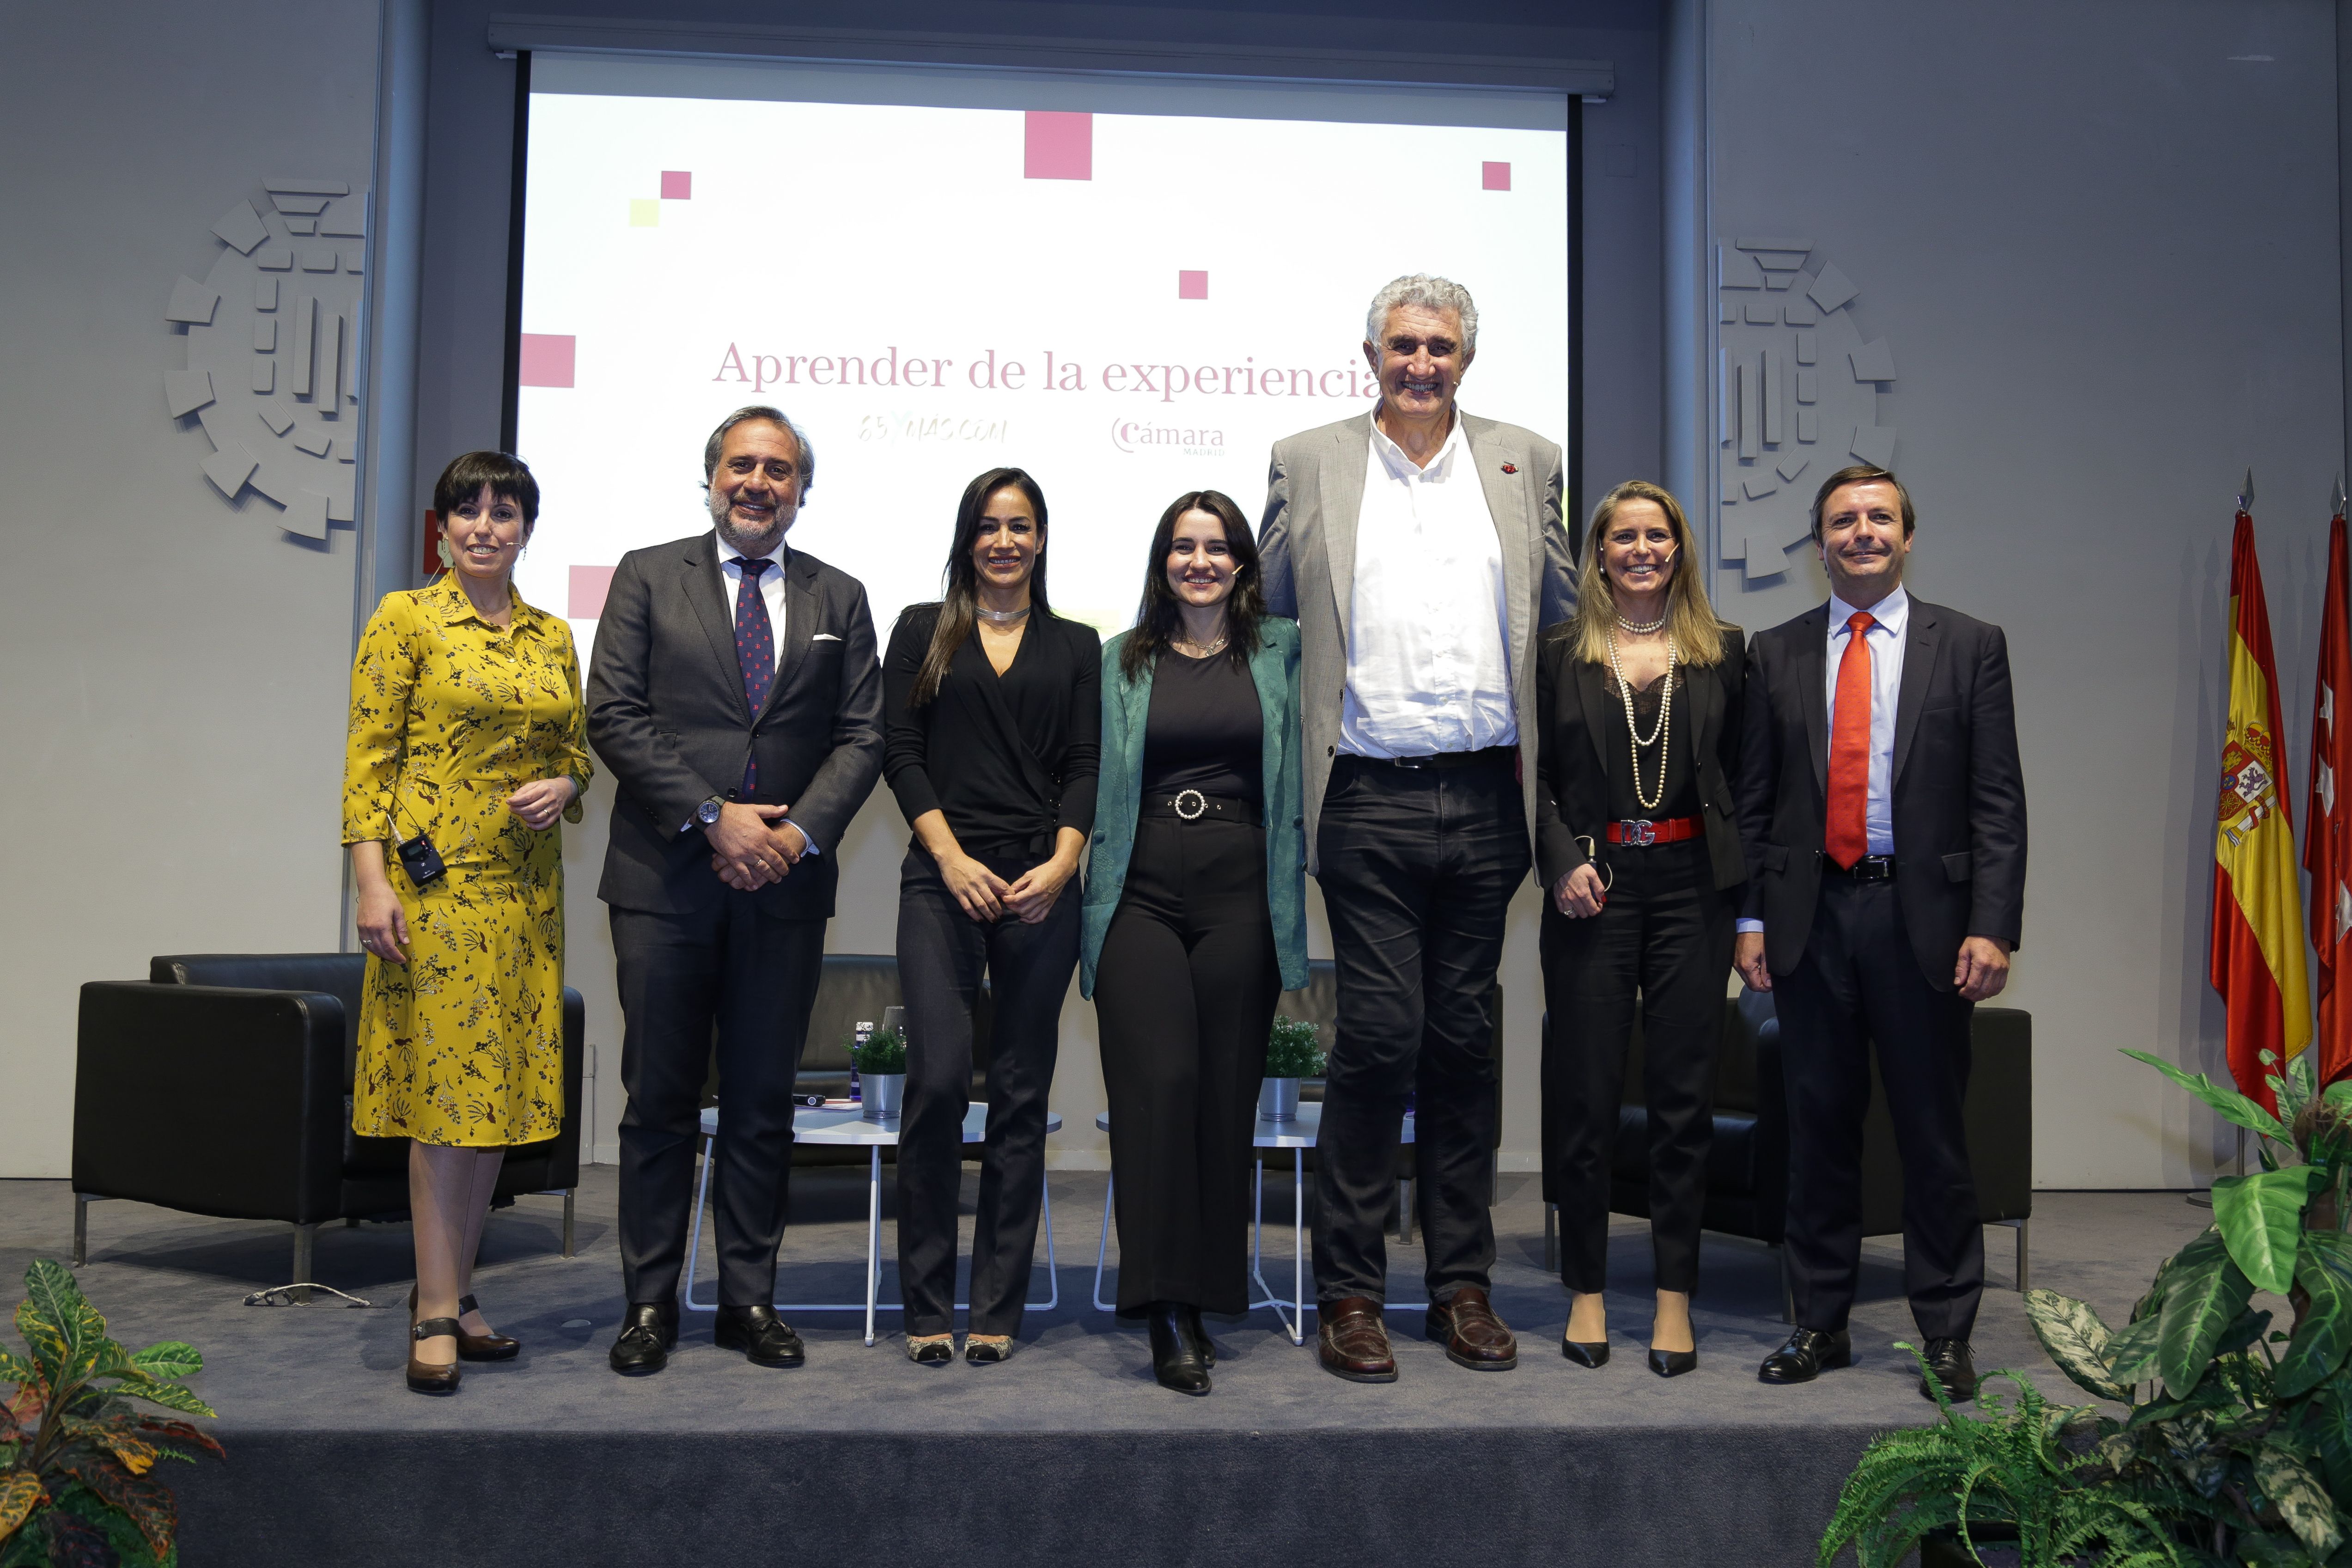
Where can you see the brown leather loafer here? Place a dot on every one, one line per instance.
(1353, 1343)
(1473, 1336)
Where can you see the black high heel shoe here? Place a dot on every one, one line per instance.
(1673, 1363)
(425, 1377)
(1200, 1336)
(1175, 1358)
(475, 1347)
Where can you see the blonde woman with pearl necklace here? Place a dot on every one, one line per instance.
(1637, 845)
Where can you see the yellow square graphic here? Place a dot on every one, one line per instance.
(645, 213)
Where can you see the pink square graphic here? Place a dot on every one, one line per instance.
(589, 586)
(1191, 285)
(1058, 145)
(678, 184)
(546, 358)
(1495, 176)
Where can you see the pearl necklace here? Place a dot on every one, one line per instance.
(1643, 628)
(1658, 737)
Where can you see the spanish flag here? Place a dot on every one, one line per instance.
(2257, 956)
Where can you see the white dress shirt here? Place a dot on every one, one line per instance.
(771, 594)
(1891, 623)
(1427, 666)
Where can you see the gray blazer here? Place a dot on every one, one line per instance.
(666, 712)
(1307, 550)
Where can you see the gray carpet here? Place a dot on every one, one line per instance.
(1066, 1453)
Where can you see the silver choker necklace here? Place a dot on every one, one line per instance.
(1002, 618)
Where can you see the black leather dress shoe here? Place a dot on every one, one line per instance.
(1951, 1364)
(1175, 1358)
(648, 1333)
(764, 1339)
(1807, 1355)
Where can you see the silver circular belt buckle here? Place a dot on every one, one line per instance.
(1200, 804)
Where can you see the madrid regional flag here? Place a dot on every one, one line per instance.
(2327, 820)
(2257, 958)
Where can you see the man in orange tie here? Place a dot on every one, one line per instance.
(1883, 812)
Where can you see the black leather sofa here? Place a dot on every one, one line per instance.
(1747, 1166)
(221, 1084)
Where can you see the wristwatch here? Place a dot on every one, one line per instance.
(706, 813)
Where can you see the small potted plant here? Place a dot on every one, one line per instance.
(1293, 1050)
(880, 1059)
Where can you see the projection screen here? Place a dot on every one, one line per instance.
(1130, 287)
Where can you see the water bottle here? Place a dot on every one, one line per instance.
(865, 1031)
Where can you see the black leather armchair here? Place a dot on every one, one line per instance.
(1747, 1166)
(222, 1084)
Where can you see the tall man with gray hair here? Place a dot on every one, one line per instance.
(736, 697)
(1421, 549)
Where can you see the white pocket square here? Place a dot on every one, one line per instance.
(823, 637)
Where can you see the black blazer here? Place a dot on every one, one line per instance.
(666, 712)
(1573, 699)
(1959, 791)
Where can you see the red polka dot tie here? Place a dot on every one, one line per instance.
(755, 650)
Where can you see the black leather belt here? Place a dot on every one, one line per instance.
(1491, 757)
(1191, 806)
(1869, 868)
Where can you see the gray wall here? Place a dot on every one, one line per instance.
(176, 668)
(2101, 238)
(2104, 251)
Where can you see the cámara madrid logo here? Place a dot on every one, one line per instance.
(1170, 440)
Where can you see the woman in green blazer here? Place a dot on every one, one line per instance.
(1196, 916)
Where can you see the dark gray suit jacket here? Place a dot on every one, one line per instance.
(666, 714)
(1307, 550)
(1959, 790)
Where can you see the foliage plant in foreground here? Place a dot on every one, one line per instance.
(2235, 1444)
(2028, 1465)
(76, 1489)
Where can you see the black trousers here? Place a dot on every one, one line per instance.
(1418, 868)
(942, 952)
(1663, 941)
(1185, 992)
(1859, 985)
(756, 978)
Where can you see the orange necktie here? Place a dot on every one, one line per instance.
(1846, 837)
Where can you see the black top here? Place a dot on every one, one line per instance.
(1204, 732)
(1681, 795)
(1010, 758)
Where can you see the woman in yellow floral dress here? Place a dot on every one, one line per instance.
(467, 731)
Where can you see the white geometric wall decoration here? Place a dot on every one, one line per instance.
(1799, 394)
(273, 334)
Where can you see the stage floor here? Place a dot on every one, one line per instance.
(1070, 1448)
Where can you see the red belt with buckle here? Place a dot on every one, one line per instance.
(1641, 831)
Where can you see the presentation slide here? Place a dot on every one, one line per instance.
(1128, 305)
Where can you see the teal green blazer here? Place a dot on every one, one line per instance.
(1118, 792)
